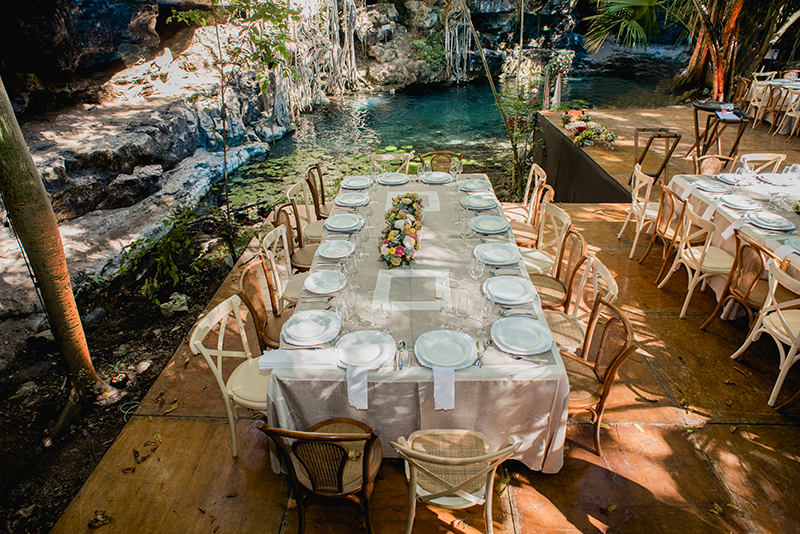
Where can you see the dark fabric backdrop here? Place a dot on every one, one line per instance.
(573, 174)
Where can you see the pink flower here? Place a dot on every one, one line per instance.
(399, 251)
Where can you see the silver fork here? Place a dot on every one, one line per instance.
(411, 357)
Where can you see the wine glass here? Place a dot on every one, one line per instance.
(485, 314)
(476, 268)
(466, 234)
(461, 307)
(386, 312)
(373, 304)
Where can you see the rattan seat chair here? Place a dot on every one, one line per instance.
(391, 162)
(274, 246)
(668, 226)
(333, 460)
(555, 291)
(781, 320)
(302, 203)
(569, 327)
(301, 254)
(703, 260)
(246, 385)
(642, 211)
(268, 322)
(451, 469)
(710, 163)
(744, 284)
(591, 376)
(316, 184)
(440, 160)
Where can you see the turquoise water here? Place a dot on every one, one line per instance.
(462, 118)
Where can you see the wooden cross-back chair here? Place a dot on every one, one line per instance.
(440, 160)
(554, 223)
(555, 290)
(334, 459)
(304, 206)
(301, 255)
(642, 211)
(667, 227)
(763, 162)
(268, 321)
(275, 246)
(317, 186)
(383, 162)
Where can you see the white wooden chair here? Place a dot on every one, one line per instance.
(384, 162)
(313, 227)
(524, 211)
(569, 327)
(554, 223)
(759, 95)
(792, 112)
(451, 469)
(779, 320)
(762, 162)
(274, 246)
(247, 385)
(642, 211)
(703, 260)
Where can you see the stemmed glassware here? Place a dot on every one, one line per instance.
(386, 313)
(466, 234)
(485, 314)
(476, 268)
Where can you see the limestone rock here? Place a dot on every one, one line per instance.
(128, 189)
(376, 23)
(177, 303)
(420, 16)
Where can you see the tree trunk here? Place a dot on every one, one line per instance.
(35, 223)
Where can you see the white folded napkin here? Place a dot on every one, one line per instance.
(444, 388)
(738, 223)
(689, 190)
(712, 207)
(784, 250)
(298, 359)
(358, 387)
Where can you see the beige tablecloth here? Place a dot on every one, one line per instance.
(504, 398)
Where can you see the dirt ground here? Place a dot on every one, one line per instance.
(39, 482)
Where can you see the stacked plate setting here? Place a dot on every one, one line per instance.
(489, 224)
(311, 327)
(472, 185)
(739, 202)
(392, 178)
(325, 282)
(711, 186)
(344, 222)
(366, 348)
(355, 182)
(350, 200)
(523, 336)
(509, 290)
(435, 178)
(479, 201)
(497, 253)
(445, 348)
(771, 221)
(335, 250)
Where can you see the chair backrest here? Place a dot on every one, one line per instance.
(765, 76)
(640, 190)
(607, 343)
(793, 103)
(696, 232)
(288, 215)
(383, 162)
(596, 283)
(299, 194)
(251, 292)
(740, 97)
(452, 463)
(670, 214)
(316, 185)
(571, 254)
(217, 321)
(710, 163)
(536, 178)
(759, 91)
(552, 227)
(273, 246)
(764, 160)
(790, 74)
(440, 160)
(777, 277)
(334, 464)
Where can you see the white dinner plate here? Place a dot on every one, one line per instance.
(325, 282)
(352, 199)
(510, 290)
(445, 348)
(521, 335)
(795, 244)
(771, 221)
(739, 202)
(497, 253)
(712, 186)
(366, 348)
(335, 250)
(355, 182)
(475, 185)
(479, 201)
(727, 178)
(311, 327)
(489, 224)
(435, 178)
(344, 222)
(781, 180)
(392, 178)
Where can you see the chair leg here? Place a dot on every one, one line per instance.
(625, 224)
(751, 336)
(412, 509)
(487, 507)
(232, 423)
(716, 311)
(795, 398)
(367, 516)
(786, 365)
(639, 228)
(694, 278)
(675, 266)
(301, 514)
(598, 418)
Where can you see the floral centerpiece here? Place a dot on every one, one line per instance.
(400, 239)
(587, 132)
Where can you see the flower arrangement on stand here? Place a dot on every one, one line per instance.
(586, 132)
(400, 239)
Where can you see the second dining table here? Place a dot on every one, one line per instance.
(498, 393)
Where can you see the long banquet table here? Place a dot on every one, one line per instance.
(505, 397)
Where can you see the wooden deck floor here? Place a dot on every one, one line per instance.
(691, 446)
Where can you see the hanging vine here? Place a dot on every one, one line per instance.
(457, 40)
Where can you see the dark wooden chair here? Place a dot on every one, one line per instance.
(333, 460)
(268, 322)
(317, 186)
(555, 290)
(440, 161)
(301, 254)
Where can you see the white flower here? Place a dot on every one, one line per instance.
(400, 224)
(384, 250)
(410, 218)
(408, 242)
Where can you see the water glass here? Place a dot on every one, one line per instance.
(466, 234)
(386, 312)
(461, 306)
(373, 303)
